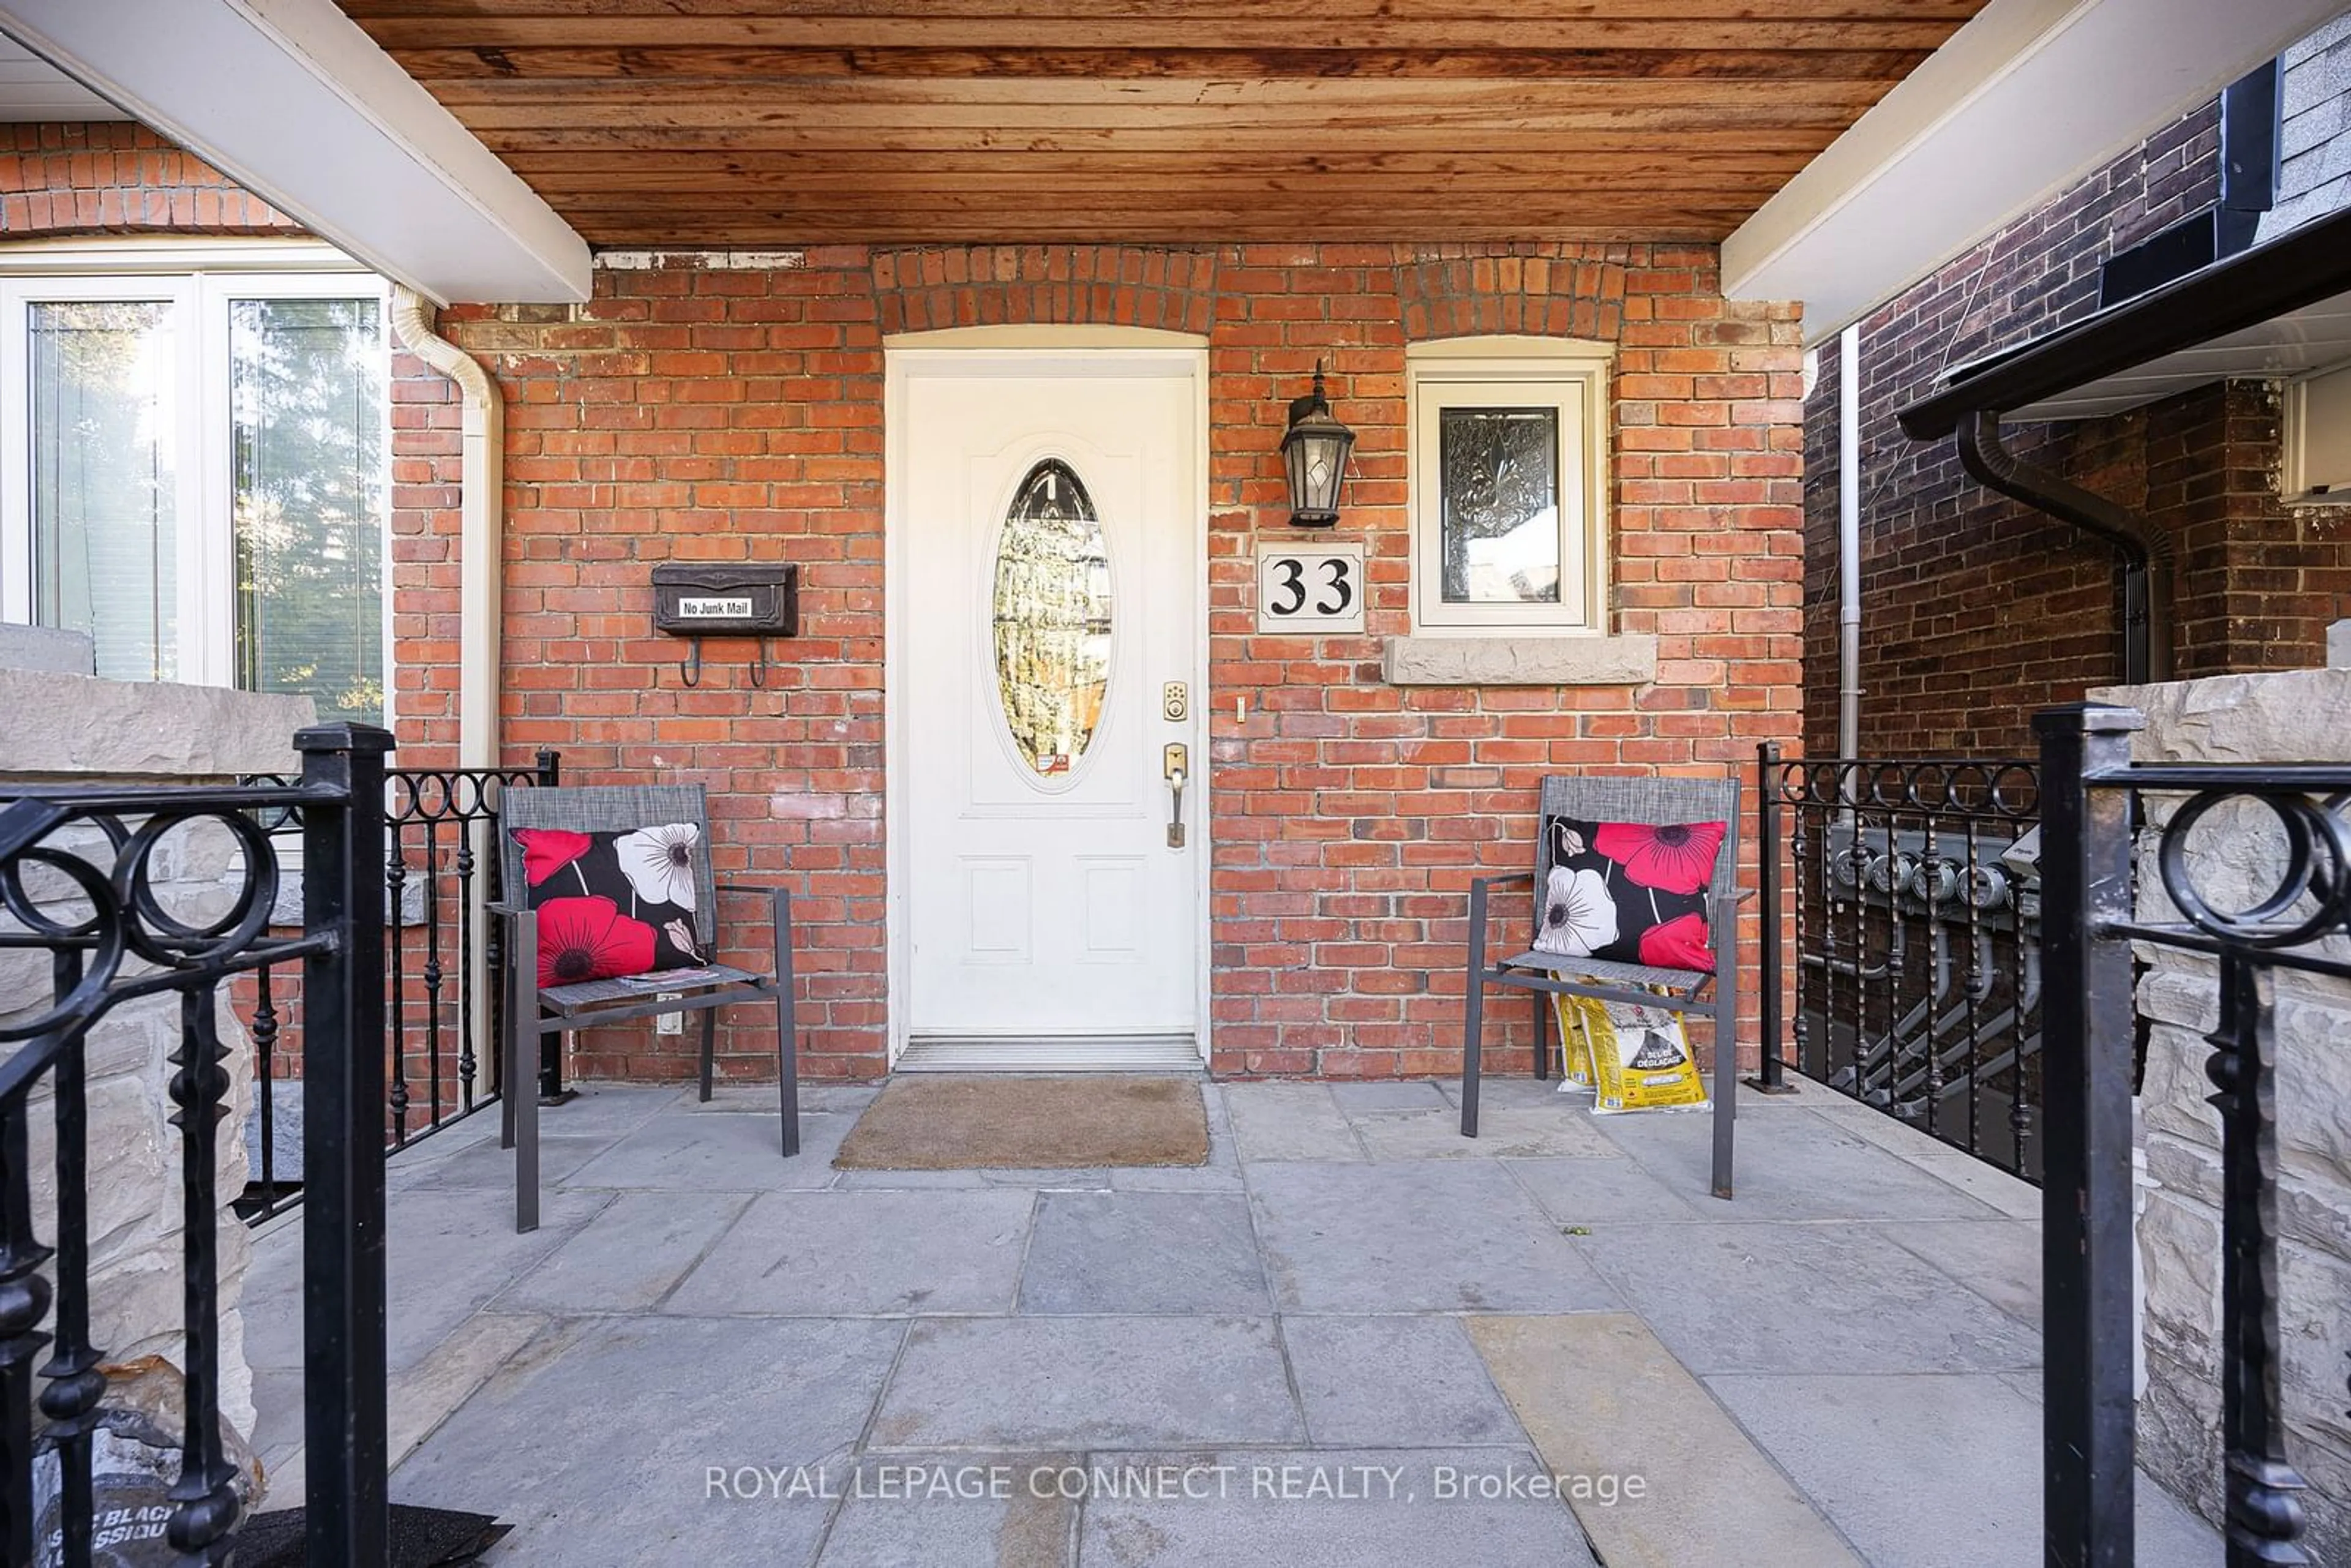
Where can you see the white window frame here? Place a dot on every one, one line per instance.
(2315, 470)
(1569, 375)
(201, 284)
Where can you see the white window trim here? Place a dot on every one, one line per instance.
(200, 281)
(1568, 375)
(2315, 472)
(164, 254)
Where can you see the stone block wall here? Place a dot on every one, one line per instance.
(2289, 717)
(62, 728)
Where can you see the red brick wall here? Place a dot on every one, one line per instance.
(693, 414)
(1977, 610)
(117, 177)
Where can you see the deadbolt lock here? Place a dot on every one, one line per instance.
(1175, 701)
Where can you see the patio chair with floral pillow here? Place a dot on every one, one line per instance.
(1635, 886)
(611, 900)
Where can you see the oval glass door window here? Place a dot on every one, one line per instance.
(1052, 619)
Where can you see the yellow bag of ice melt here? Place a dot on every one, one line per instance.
(1574, 1043)
(1640, 1058)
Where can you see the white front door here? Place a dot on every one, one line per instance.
(1046, 557)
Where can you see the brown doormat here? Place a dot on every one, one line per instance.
(1001, 1121)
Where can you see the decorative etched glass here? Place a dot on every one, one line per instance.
(1052, 619)
(1500, 478)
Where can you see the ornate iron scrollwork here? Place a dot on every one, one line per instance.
(80, 877)
(2295, 922)
(1915, 975)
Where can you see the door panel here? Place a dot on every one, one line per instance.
(1047, 571)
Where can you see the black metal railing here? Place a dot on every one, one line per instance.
(79, 881)
(1915, 981)
(442, 1004)
(2096, 801)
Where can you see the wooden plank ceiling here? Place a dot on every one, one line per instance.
(778, 122)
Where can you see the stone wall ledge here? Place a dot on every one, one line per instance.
(1531, 659)
(2279, 716)
(61, 726)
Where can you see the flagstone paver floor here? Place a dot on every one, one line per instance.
(1323, 1347)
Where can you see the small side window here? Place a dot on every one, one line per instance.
(2318, 438)
(1508, 487)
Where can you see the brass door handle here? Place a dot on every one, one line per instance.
(1172, 760)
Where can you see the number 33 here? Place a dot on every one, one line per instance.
(1290, 574)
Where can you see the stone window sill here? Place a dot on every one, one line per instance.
(1534, 659)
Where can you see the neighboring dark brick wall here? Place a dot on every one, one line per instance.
(1976, 610)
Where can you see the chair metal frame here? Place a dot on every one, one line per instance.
(1655, 800)
(620, 808)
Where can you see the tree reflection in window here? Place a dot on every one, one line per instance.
(1052, 619)
(105, 526)
(305, 392)
(1500, 521)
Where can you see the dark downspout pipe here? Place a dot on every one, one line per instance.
(2144, 550)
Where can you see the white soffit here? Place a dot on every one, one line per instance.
(293, 102)
(32, 89)
(2022, 101)
(2298, 343)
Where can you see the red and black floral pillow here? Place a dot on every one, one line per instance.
(613, 903)
(1632, 891)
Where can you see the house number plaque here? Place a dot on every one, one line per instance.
(1313, 588)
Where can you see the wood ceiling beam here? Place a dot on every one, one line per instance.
(489, 62)
(661, 168)
(1252, 29)
(999, 124)
(1953, 12)
(1317, 96)
(1225, 227)
(624, 191)
(1594, 204)
(1092, 142)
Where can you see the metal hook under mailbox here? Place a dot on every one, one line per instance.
(690, 668)
(759, 669)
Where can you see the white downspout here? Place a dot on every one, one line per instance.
(1849, 542)
(482, 484)
(482, 481)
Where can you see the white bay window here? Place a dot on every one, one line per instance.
(194, 472)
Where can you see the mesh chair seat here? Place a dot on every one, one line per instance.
(1678, 984)
(572, 1000)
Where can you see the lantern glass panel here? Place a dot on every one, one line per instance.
(1317, 460)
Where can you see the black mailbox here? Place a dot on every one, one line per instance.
(696, 600)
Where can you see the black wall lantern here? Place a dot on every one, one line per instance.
(1314, 450)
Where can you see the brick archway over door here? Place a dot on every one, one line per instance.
(929, 288)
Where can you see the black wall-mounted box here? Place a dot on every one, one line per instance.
(696, 600)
